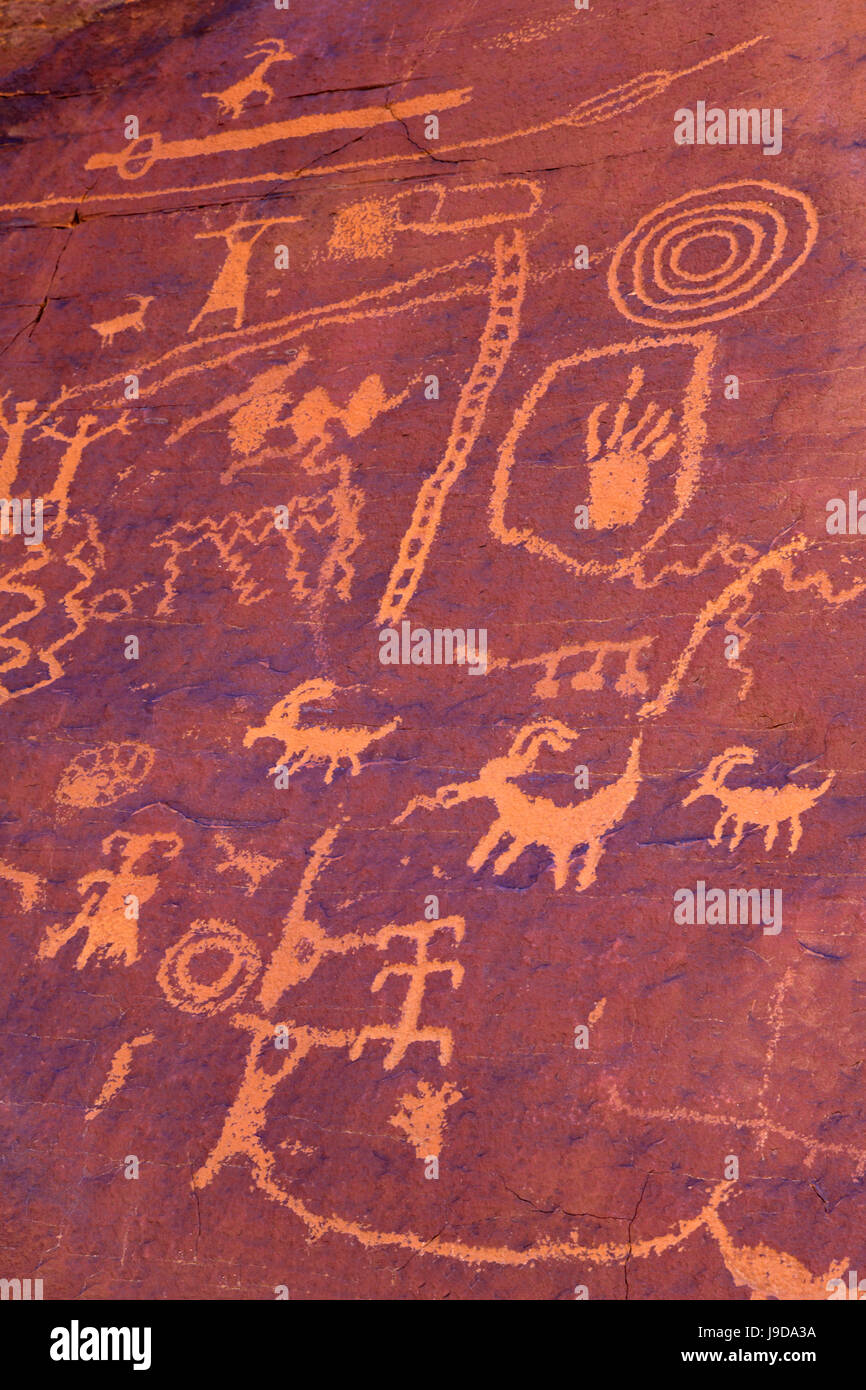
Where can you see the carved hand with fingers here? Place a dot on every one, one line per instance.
(619, 468)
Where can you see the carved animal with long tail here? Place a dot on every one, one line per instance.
(302, 745)
(108, 329)
(536, 820)
(766, 807)
(234, 98)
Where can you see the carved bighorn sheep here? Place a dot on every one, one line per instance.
(234, 98)
(109, 328)
(313, 743)
(767, 807)
(536, 820)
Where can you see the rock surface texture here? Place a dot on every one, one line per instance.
(431, 855)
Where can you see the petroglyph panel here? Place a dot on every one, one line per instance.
(433, 724)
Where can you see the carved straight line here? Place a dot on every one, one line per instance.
(140, 155)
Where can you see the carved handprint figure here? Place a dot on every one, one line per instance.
(619, 468)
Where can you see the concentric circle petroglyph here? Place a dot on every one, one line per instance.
(748, 238)
(182, 972)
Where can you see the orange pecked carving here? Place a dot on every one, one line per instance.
(768, 807)
(234, 98)
(314, 743)
(536, 820)
(108, 329)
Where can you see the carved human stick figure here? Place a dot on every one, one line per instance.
(72, 456)
(229, 289)
(111, 927)
(15, 432)
(245, 1122)
(406, 1031)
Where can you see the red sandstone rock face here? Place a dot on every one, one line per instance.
(381, 977)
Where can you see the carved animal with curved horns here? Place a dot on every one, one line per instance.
(313, 744)
(536, 820)
(766, 807)
(109, 328)
(234, 98)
